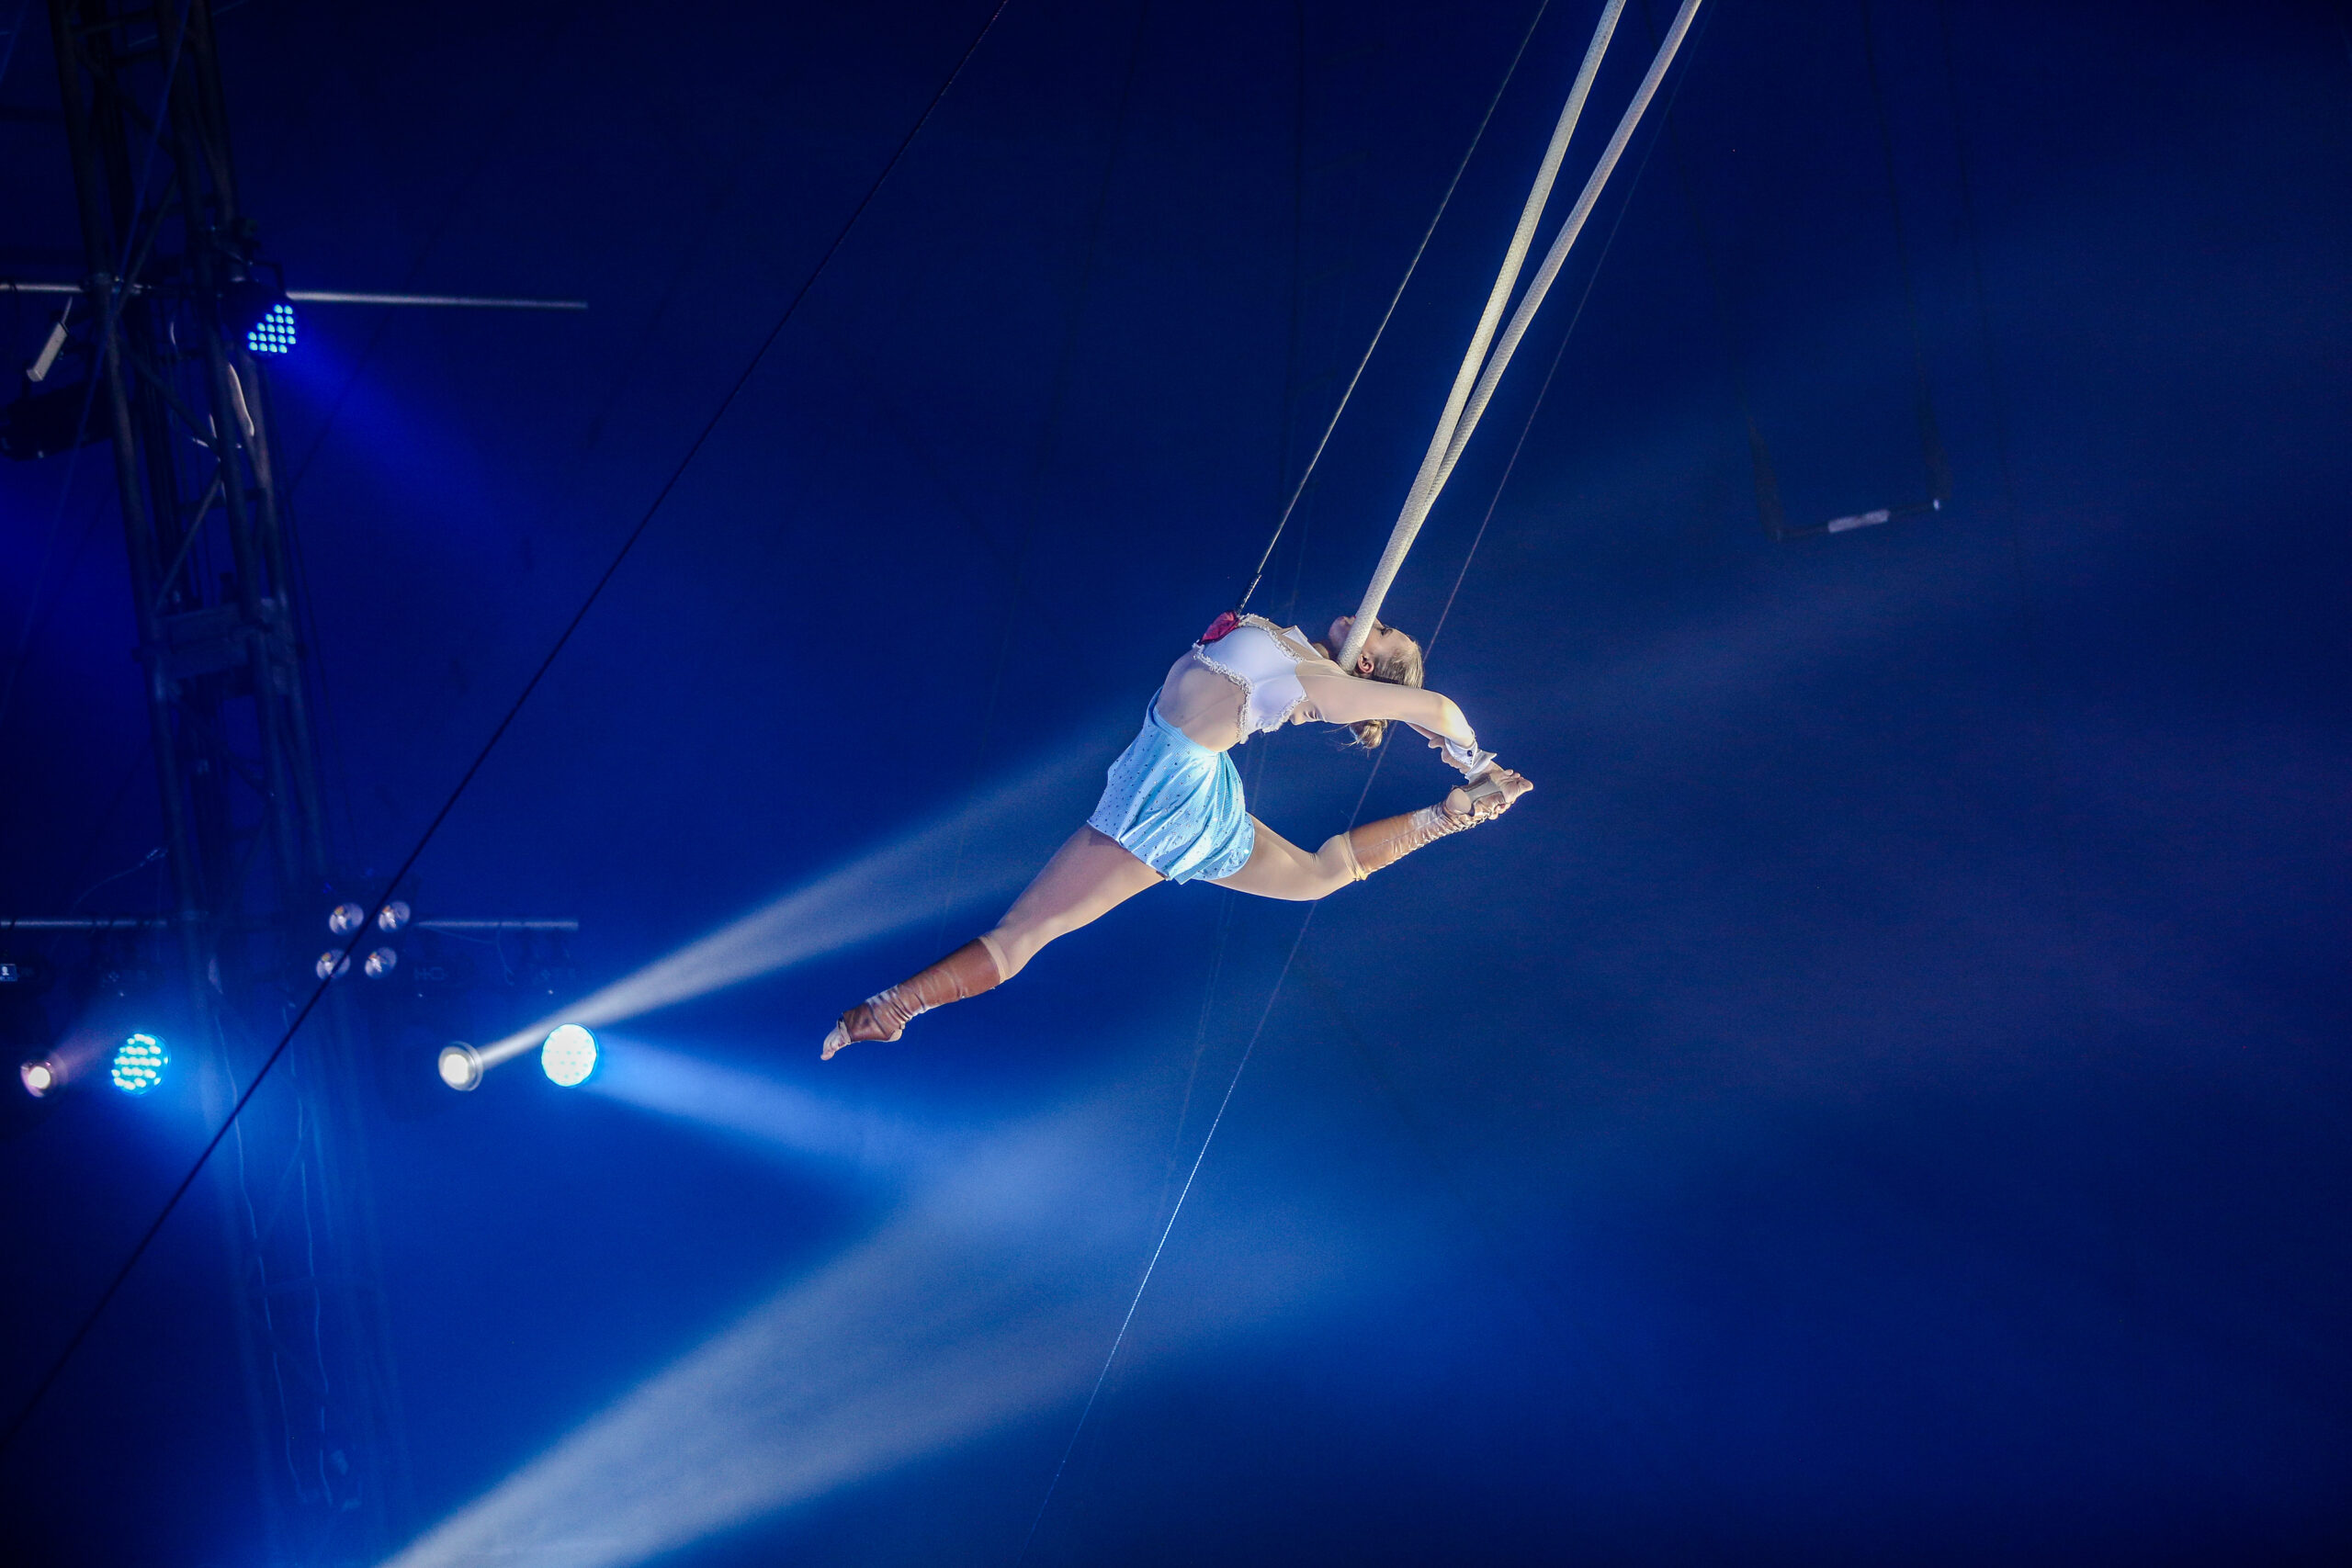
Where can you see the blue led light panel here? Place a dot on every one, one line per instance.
(274, 333)
(139, 1064)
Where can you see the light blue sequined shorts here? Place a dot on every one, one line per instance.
(1175, 805)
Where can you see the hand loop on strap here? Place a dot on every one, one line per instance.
(1467, 760)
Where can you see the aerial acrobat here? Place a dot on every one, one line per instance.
(1172, 809)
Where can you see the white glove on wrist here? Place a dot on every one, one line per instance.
(1468, 760)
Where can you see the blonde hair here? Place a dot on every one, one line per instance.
(1398, 669)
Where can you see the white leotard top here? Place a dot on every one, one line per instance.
(1262, 660)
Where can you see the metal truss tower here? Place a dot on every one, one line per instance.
(171, 286)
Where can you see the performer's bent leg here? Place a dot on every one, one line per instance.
(1280, 869)
(1087, 876)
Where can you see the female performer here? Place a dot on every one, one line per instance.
(1171, 810)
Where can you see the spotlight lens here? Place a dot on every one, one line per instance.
(40, 1077)
(391, 917)
(568, 1055)
(346, 918)
(460, 1065)
(139, 1064)
(330, 962)
(382, 962)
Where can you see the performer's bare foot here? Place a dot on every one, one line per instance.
(1488, 795)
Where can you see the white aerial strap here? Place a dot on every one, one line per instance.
(1474, 384)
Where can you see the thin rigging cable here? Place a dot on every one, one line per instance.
(1485, 355)
(1253, 777)
(89, 1320)
(1257, 764)
(1224, 922)
(141, 863)
(1647, 1441)
(1307, 920)
(1254, 766)
(1308, 474)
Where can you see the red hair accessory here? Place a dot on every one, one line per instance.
(1221, 626)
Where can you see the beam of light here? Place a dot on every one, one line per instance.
(990, 1298)
(66, 1063)
(773, 1115)
(992, 846)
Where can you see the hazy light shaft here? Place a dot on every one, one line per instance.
(772, 1113)
(988, 1300)
(1006, 835)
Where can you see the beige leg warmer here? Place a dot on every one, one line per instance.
(967, 971)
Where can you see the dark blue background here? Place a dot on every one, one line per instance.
(1883, 1098)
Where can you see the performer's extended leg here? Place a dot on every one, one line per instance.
(1090, 875)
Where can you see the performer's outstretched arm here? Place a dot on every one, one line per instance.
(1347, 699)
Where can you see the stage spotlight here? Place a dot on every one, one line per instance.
(40, 1076)
(380, 962)
(274, 333)
(256, 310)
(139, 1064)
(568, 1055)
(345, 919)
(391, 917)
(331, 962)
(461, 1065)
